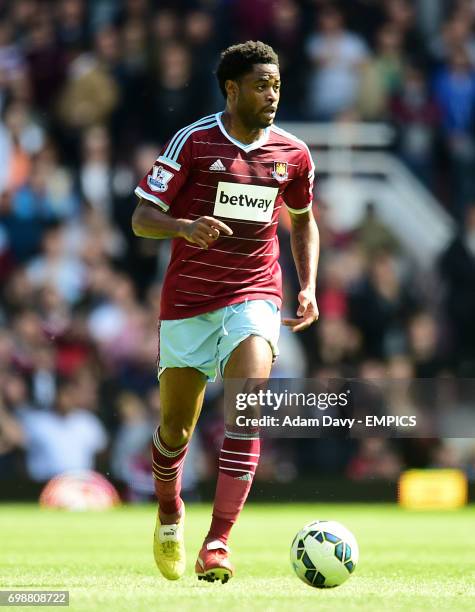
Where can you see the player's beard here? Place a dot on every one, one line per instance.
(252, 119)
(266, 123)
(263, 121)
(256, 121)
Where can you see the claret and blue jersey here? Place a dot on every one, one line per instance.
(203, 171)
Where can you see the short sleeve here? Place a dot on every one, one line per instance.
(168, 174)
(298, 196)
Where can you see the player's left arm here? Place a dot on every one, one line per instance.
(305, 243)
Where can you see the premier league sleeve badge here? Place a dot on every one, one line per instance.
(159, 179)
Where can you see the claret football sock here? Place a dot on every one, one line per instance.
(237, 465)
(167, 470)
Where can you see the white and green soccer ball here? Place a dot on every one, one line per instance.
(324, 554)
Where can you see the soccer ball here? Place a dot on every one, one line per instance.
(324, 554)
(79, 490)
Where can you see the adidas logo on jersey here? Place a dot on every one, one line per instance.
(218, 165)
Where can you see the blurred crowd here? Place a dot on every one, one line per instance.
(89, 91)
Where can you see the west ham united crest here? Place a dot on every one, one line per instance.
(280, 171)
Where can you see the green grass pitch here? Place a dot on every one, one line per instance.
(408, 560)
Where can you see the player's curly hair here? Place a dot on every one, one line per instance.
(237, 60)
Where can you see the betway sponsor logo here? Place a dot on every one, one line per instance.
(244, 200)
(249, 202)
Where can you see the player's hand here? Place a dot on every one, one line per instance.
(204, 231)
(307, 311)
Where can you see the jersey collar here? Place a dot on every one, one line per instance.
(245, 147)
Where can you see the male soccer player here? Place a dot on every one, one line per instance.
(216, 189)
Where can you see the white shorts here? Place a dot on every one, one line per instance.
(205, 342)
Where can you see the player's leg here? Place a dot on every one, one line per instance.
(187, 358)
(237, 464)
(181, 398)
(241, 450)
(251, 357)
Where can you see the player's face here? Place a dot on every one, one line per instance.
(258, 96)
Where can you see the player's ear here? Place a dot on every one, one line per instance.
(231, 90)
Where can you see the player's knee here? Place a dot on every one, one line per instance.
(176, 435)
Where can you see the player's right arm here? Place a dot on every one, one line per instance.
(159, 188)
(148, 222)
